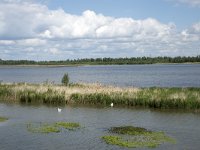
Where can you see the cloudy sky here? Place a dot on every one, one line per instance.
(69, 29)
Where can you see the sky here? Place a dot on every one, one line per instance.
(66, 29)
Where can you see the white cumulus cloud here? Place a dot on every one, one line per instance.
(32, 31)
(190, 2)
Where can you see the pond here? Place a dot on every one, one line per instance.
(95, 122)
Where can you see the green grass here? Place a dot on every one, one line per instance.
(68, 125)
(182, 98)
(3, 119)
(136, 137)
(48, 97)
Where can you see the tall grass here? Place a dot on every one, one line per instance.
(48, 97)
(184, 98)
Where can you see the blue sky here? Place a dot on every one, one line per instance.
(183, 15)
(65, 29)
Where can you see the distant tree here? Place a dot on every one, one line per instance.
(65, 79)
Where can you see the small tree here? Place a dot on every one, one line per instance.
(65, 79)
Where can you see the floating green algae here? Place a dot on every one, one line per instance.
(68, 125)
(130, 130)
(51, 128)
(3, 119)
(136, 137)
(42, 128)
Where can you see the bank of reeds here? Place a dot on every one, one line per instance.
(96, 94)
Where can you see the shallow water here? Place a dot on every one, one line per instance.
(166, 75)
(183, 126)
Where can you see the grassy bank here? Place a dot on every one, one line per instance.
(96, 94)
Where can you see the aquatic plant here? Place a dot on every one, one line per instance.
(2, 119)
(48, 97)
(136, 137)
(5, 92)
(130, 130)
(42, 128)
(184, 98)
(68, 125)
(51, 128)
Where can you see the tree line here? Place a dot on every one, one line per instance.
(107, 61)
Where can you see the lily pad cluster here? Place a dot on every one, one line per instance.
(136, 137)
(51, 128)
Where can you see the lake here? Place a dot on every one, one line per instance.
(95, 121)
(183, 126)
(162, 75)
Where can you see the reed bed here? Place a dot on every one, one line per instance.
(97, 94)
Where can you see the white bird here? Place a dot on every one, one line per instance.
(111, 105)
(59, 109)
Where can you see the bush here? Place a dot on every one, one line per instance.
(65, 79)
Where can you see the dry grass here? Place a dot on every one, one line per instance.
(187, 98)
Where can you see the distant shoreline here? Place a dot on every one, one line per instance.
(106, 61)
(77, 65)
(41, 65)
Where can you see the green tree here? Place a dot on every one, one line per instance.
(65, 79)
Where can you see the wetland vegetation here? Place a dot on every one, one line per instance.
(51, 128)
(3, 119)
(96, 94)
(136, 137)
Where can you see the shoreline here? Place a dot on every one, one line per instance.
(78, 65)
(101, 95)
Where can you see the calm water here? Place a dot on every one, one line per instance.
(183, 126)
(126, 75)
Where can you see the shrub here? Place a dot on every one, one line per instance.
(65, 79)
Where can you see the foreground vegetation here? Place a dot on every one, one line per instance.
(136, 137)
(51, 128)
(96, 94)
(106, 61)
